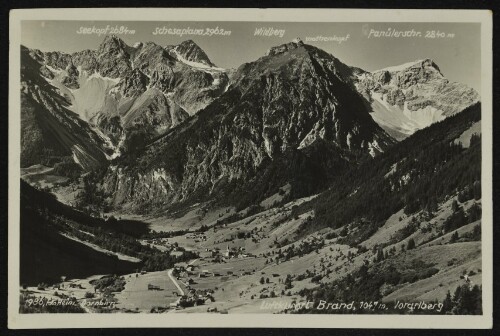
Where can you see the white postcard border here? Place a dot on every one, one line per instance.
(32, 321)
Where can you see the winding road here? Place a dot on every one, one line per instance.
(174, 280)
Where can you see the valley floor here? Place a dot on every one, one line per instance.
(242, 262)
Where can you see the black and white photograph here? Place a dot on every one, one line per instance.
(302, 169)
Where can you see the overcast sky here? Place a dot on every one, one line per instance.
(459, 57)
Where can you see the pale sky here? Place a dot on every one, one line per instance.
(458, 57)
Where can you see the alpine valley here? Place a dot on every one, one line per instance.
(157, 181)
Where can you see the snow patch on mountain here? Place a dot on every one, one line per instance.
(312, 136)
(197, 65)
(392, 170)
(401, 123)
(424, 117)
(216, 81)
(107, 144)
(75, 157)
(99, 76)
(93, 96)
(374, 148)
(160, 174)
(400, 67)
(391, 117)
(54, 70)
(82, 157)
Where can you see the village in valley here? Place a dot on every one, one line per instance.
(239, 264)
(243, 265)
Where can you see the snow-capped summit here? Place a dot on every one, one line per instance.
(413, 95)
(399, 67)
(423, 63)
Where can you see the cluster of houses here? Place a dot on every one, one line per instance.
(228, 253)
(193, 298)
(163, 242)
(189, 273)
(198, 237)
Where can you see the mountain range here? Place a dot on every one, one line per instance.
(294, 176)
(170, 127)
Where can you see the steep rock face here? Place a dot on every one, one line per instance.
(196, 89)
(412, 96)
(133, 85)
(184, 72)
(190, 51)
(49, 130)
(151, 115)
(150, 56)
(280, 108)
(57, 60)
(107, 86)
(308, 95)
(86, 60)
(71, 79)
(113, 58)
(163, 77)
(284, 47)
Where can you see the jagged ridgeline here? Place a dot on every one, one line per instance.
(161, 127)
(93, 104)
(291, 116)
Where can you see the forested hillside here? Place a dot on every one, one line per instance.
(416, 174)
(57, 240)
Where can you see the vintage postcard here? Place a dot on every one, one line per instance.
(250, 168)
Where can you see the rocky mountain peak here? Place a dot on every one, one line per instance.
(296, 61)
(190, 51)
(418, 92)
(112, 42)
(113, 57)
(149, 56)
(306, 96)
(424, 65)
(295, 102)
(429, 62)
(296, 43)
